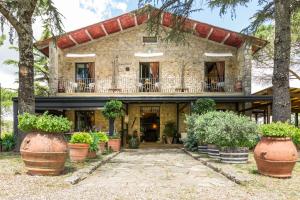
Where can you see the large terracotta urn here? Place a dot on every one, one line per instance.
(44, 153)
(114, 144)
(275, 156)
(78, 152)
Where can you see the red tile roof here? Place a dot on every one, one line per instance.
(133, 19)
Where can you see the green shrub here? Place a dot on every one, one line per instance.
(94, 145)
(280, 129)
(44, 123)
(133, 142)
(81, 137)
(112, 110)
(191, 141)
(226, 129)
(102, 137)
(8, 142)
(203, 105)
(170, 129)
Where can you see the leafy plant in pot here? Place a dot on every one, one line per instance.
(44, 150)
(103, 139)
(276, 154)
(169, 131)
(112, 110)
(93, 148)
(79, 146)
(133, 142)
(8, 142)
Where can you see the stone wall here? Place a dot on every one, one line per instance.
(125, 44)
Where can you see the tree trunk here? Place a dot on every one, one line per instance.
(26, 99)
(111, 127)
(282, 47)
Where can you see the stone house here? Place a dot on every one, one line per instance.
(156, 81)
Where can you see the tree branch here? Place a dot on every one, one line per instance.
(12, 19)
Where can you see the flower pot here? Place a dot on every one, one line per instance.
(275, 156)
(114, 144)
(102, 146)
(237, 155)
(213, 151)
(78, 152)
(43, 153)
(169, 140)
(202, 149)
(92, 154)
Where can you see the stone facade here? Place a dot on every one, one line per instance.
(122, 47)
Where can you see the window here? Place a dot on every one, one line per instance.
(85, 120)
(215, 76)
(149, 39)
(85, 71)
(149, 77)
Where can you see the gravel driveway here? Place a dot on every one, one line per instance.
(150, 174)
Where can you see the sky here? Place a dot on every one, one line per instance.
(80, 13)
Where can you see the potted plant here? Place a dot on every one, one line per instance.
(169, 131)
(103, 139)
(133, 142)
(114, 142)
(190, 142)
(44, 150)
(93, 148)
(8, 142)
(276, 154)
(79, 146)
(112, 110)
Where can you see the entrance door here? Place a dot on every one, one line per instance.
(150, 131)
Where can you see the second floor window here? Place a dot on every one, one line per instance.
(215, 76)
(85, 71)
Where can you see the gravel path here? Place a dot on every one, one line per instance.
(149, 174)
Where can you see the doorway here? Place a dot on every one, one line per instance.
(149, 123)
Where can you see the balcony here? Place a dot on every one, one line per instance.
(148, 85)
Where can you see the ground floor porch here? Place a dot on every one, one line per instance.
(147, 116)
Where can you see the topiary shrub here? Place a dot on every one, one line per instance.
(203, 105)
(81, 137)
(112, 110)
(43, 123)
(226, 129)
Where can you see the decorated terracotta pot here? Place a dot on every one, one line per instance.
(275, 156)
(44, 153)
(114, 144)
(92, 154)
(78, 152)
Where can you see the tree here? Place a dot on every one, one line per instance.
(20, 15)
(279, 11)
(112, 110)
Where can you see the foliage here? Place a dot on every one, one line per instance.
(170, 129)
(81, 137)
(191, 142)
(8, 142)
(133, 142)
(203, 105)
(44, 123)
(226, 129)
(113, 109)
(102, 137)
(280, 129)
(94, 145)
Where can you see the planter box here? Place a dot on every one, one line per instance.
(202, 149)
(234, 155)
(213, 151)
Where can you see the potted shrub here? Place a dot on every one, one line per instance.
(103, 139)
(200, 107)
(114, 142)
(133, 142)
(190, 142)
(112, 110)
(276, 154)
(169, 131)
(44, 150)
(79, 146)
(93, 148)
(8, 142)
